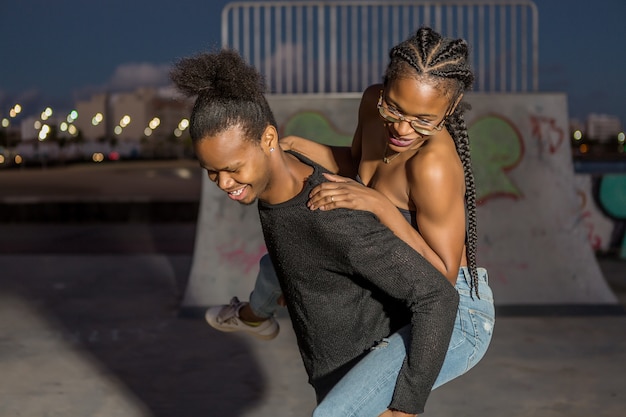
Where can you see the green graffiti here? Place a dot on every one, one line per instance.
(315, 126)
(495, 148)
(612, 195)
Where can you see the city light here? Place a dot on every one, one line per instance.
(15, 110)
(125, 121)
(154, 123)
(578, 135)
(5, 122)
(72, 116)
(97, 119)
(46, 114)
(43, 133)
(184, 124)
(621, 137)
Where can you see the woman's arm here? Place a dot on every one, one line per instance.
(342, 192)
(336, 159)
(437, 189)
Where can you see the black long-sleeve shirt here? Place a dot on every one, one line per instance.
(349, 282)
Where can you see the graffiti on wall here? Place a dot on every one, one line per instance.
(545, 129)
(497, 148)
(610, 194)
(239, 254)
(315, 125)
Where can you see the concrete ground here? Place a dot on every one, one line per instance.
(89, 326)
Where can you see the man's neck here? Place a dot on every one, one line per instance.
(288, 177)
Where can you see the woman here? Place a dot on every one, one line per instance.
(411, 151)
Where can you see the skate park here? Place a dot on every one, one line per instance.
(92, 325)
(102, 315)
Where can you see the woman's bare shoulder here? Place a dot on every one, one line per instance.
(437, 159)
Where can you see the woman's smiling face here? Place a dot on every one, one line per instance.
(417, 103)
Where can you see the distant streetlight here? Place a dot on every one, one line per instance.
(97, 119)
(15, 110)
(578, 135)
(154, 123)
(45, 115)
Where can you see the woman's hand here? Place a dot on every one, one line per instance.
(286, 143)
(342, 192)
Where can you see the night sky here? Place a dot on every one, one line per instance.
(53, 52)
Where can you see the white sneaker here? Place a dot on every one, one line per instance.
(225, 318)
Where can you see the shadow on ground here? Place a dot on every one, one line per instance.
(122, 311)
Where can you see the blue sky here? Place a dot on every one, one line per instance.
(55, 51)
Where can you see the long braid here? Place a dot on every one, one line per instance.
(430, 54)
(458, 130)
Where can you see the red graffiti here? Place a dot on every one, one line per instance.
(594, 239)
(238, 255)
(546, 131)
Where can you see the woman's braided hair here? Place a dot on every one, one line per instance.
(229, 93)
(429, 54)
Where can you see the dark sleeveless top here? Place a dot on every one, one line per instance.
(409, 215)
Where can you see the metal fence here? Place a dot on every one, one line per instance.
(342, 46)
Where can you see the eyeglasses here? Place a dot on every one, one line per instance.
(421, 126)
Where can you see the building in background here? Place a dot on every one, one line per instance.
(91, 122)
(603, 127)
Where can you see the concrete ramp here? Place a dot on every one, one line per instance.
(532, 237)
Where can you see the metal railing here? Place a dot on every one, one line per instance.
(342, 46)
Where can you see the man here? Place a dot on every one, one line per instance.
(348, 281)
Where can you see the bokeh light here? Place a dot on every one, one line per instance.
(578, 135)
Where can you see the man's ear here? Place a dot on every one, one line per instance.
(269, 141)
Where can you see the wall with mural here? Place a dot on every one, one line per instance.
(537, 229)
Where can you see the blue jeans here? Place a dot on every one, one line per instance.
(368, 388)
(264, 297)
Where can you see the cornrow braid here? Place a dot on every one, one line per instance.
(458, 130)
(427, 53)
